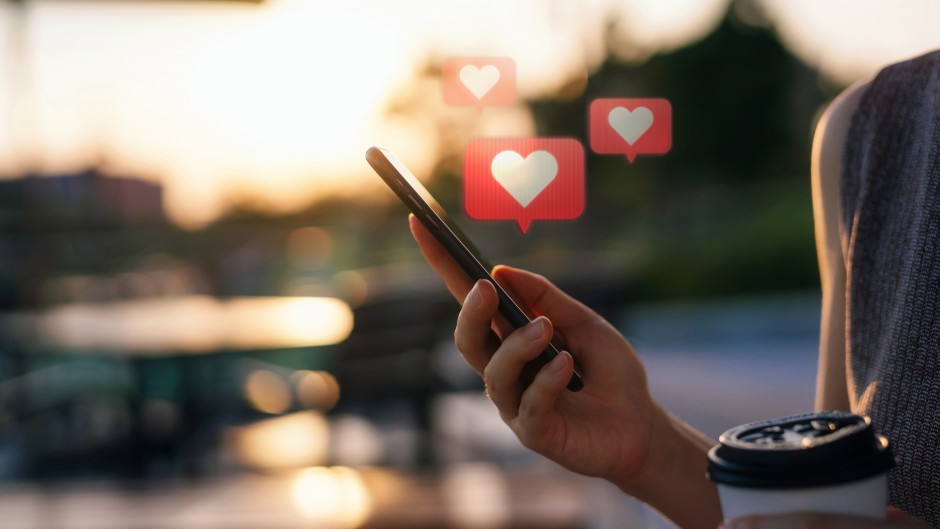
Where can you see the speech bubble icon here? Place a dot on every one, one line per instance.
(524, 179)
(630, 126)
(479, 81)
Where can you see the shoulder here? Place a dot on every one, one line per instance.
(899, 78)
(833, 127)
(828, 145)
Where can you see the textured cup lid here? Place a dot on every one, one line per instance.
(810, 450)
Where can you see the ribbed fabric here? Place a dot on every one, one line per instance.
(891, 208)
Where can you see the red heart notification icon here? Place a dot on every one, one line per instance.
(479, 81)
(524, 179)
(630, 126)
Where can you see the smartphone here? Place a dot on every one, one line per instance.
(414, 195)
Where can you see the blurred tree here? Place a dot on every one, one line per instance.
(728, 208)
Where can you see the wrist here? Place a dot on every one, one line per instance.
(667, 444)
(672, 478)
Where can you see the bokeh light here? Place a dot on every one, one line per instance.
(267, 392)
(316, 389)
(477, 496)
(332, 497)
(194, 324)
(290, 441)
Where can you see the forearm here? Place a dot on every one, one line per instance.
(673, 481)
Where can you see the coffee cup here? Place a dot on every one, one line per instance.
(825, 462)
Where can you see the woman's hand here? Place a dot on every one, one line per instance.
(603, 430)
(612, 428)
(897, 519)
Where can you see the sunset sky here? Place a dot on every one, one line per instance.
(278, 101)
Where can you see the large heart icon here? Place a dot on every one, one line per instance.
(479, 80)
(630, 125)
(524, 178)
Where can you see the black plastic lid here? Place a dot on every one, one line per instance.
(810, 450)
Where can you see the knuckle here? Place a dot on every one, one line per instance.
(489, 380)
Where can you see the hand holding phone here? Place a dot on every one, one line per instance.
(613, 428)
(417, 198)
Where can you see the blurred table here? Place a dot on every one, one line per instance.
(461, 496)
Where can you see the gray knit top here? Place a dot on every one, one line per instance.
(891, 242)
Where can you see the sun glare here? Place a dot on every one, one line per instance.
(644, 27)
(849, 40)
(274, 103)
(298, 88)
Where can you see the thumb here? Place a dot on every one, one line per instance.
(542, 297)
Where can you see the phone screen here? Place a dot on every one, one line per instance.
(430, 213)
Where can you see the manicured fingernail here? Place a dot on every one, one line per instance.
(535, 330)
(473, 298)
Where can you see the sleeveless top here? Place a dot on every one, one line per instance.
(890, 186)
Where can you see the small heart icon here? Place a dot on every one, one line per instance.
(630, 125)
(524, 178)
(479, 80)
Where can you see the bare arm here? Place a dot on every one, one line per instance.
(831, 388)
(613, 428)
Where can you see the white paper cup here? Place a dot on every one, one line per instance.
(827, 462)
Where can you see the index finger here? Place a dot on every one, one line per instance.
(454, 277)
(457, 281)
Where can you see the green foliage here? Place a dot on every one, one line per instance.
(728, 210)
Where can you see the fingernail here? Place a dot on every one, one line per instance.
(473, 298)
(535, 330)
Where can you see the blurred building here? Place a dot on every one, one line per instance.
(53, 225)
(88, 195)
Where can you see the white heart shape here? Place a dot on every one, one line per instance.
(524, 178)
(479, 80)
(630, 125)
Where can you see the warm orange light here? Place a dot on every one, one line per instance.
(267, 392)
(477, 496)
(195, 324)
(295, 440)
(316, 389)
(288, 321)
(275, 103)
(335, 496)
